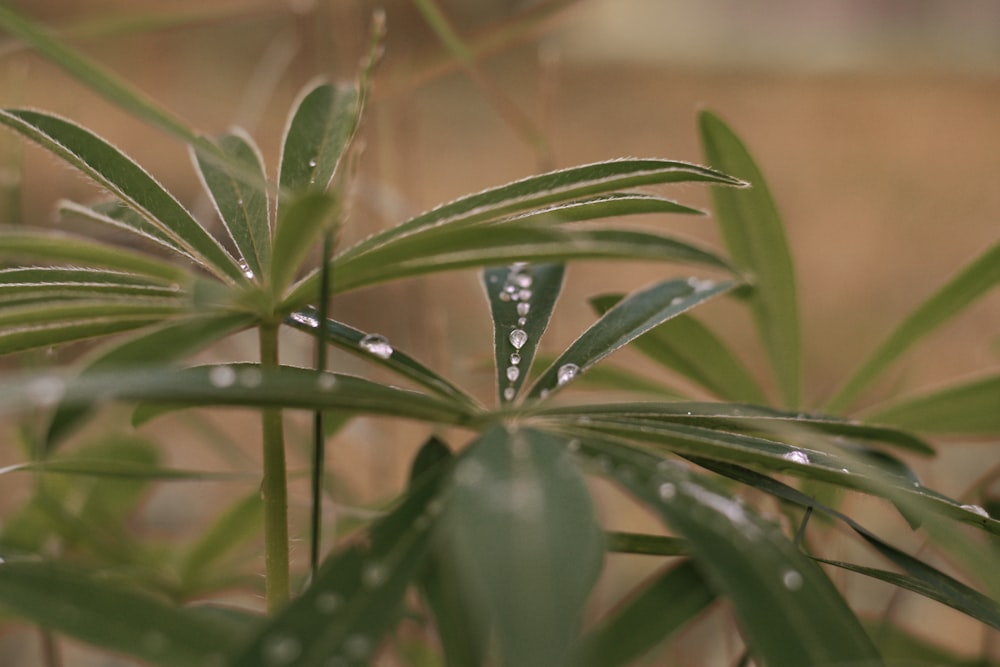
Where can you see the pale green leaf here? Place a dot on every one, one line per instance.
(299, 225)
(972, 408)
(118, 215)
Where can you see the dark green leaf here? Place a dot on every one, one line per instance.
(521, 299)
(119, 216)
(755, 237)
(605, 206)
(650, 545)
(626, 321)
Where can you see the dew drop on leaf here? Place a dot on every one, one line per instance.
(250, 377)
(326, 381)
(513, 372)
(222, 377)
(518, 337)
(666, 491)
(977, 510)
(327, 603)
(280, 649)
(796, 456)
(373, 575)
(566, 373)
(312, 163)
(509, 393)
(515, 359)
(792, 580)
(376, 345)
(523, 309)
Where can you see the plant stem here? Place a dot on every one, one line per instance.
(274, 488)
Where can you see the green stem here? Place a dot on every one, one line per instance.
(274, 488)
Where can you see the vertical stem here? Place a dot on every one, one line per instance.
(274, 488)
(319, 431)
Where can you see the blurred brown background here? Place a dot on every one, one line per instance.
(875, 122)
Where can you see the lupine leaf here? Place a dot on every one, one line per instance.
(629, 319)
(972, 408)
(72, 330)
(755, 237)
(118, 215)
(521, 299)
(299, 225)
(604, 206)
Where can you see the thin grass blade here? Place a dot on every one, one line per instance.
(648, 545)
(630, 318)
(755, 237)
(50, 334)
(972, 282)
(521, 299)
(966, 409)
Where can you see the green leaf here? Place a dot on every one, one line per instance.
(299, 225)
(356, 595)
(495, 245)
(22, 243)
(754, 235)
(249, 385)
(657, 610)
(118, 215)
(520, 530)
(649, 545)
(55, 312)
(610, 378)
(629, 319)
(348, 338)
(972, 282)
(521, 299)
(119, 469)
(241, 202)
(126, 180)
(967, 409)
(166, 343)
(554, 187)
(789, 611)
(73, 330)
(322, 124)
(687, 346)
(231, 531)
(605, 206)
(100, 612)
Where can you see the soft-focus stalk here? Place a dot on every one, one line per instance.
(274, 488)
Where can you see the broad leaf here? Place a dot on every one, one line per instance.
(755, 237)
(526, 548)
(967, 286)
(687, 346)
(967, 409)
(101, 612)
(629, 319)
(241, 202)
(521, 299)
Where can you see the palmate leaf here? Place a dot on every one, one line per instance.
(629, 319)
(972, 408)
(521, 299)
(972, 282)
(299, 224)
(348, 338)
(790, 612)
(687, 346)
(118, 215)
(355, 596)
(755, 237)
(604, 206)
(564, 185)
(46, 335)
(525, 547)
(112, 169)
(98, 611)
(240, 201)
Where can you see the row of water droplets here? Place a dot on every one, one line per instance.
(517, 288)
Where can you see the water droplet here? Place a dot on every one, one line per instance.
(544, 393)
(312, 163)
(513, 372)
(494, 278)
(240, 201)
(222, 377)
(676, 300)
(523, 309)
(515, 359)
(504, 296)
(518, 337)
(250, 377)
(796, 456)
(469, 473)
(566, 373)
(509, 393)
(509, 289)
(247, 271)
(522, 280)
(46, 391)
(524, 295)
(521, 321)
(792, 580)
(302, 318)
(666, 491)
(518, 267)
(699, 285)
(377, 345)
(326, 381)
(280, 649)
(573, 446)
(374, 574)
(327, 603)
(357, 647)
(977, 510)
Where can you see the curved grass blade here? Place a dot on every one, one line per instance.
(502, 244)
(348, 338)
(119, 469)
(549, 188)
(603, 206)
(689, 347)
(323, 121)
(249, 385)
(926, 580)
(48, 312)
(22, 243)
(972, 282)
(116, 617)
(629, 319)
(67, 331)
(967, 409)
(356, 595)
(525, 545)
(657, 610)
(126, 180)
(752, 229)
(241, 202)
(300, 223)
(789, 611)
(521, 299)
(161, 345)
